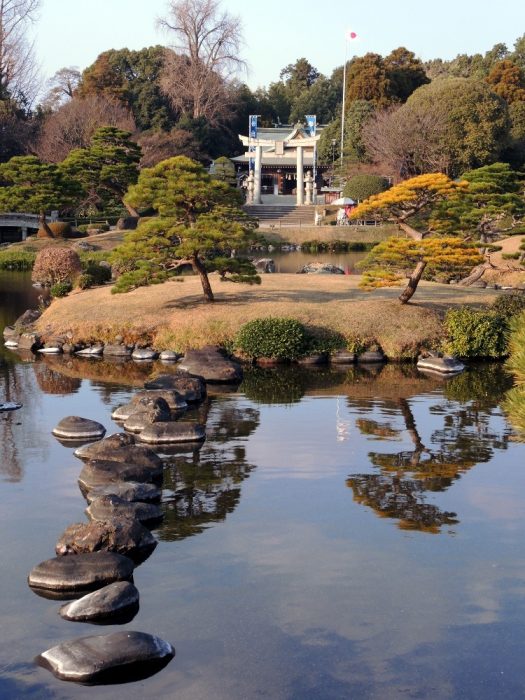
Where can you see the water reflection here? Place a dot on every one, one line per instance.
(203, 483)
(467, 436)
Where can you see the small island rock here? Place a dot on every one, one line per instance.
(82, 572)
(109, 602)
(76, 428)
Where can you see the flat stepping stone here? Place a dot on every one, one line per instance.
(53, 350)
(76, 428)
(126, 490)
(371, 357)
(442, 365)
(144, 354)
(117, 350)
(84, 572)
(11, 343)
(10, 406)
(115, 508)
(169, 356)
(127, 537)
(210, 364)
(109, 658)
(103, 472)
(119, 448)
(94, 350)
(114, 601)
(174, 431)
(192, 389)
(343, 357)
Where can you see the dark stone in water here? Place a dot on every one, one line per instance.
(192, 389)
(127, 537)
(104, 472)
(83, 572)
(10, 406)
(76, 428)
(371, 357)
(118, 657)
(211, 364)
(158, 433)
(119, 447)
(117, 350)
(115, 508)
(144, 354)
(343, 357)
(148, 411)
(169, 356)
(126, 490)
(113, 601)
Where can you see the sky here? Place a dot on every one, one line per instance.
(276, 32)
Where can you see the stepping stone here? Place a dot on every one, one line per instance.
(109, 658)
(126, 490)
(119, 447)
(94, 350)
(190, 388)
(175, 402)
(83, 572)
(212, 365)
(113, 601)
(76, 428)
(10, 406)
(52, 350)
(115, 508)
(371, 357)
(175, 431)
(103, 473)
(117, 351)
(11, 343)
(169, 356)
(343, 357)
(442, 365)
(147, 411)
(127, 537)
(144, 354)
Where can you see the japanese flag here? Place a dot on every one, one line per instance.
(350, 35)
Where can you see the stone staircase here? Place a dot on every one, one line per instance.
(281, 215)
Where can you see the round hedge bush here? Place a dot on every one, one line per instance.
(276, 338)
(360, 187)
(59, 229)
(56, 264)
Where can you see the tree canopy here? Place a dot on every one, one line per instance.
(197, 217)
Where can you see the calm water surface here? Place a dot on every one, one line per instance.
(338, 535)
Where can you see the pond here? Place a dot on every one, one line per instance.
(338, 535)
(292, 261)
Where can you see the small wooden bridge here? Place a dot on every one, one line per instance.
(14, 226)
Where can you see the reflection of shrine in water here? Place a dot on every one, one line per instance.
(202, 482)
(467, 434)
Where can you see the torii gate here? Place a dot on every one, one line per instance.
(298, 144)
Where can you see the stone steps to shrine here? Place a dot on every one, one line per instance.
(281, 215)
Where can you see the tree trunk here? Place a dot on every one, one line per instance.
(475, 275)
(44, 225)
(413, 281)
(411, 232)
(199, 268)
(131, 210)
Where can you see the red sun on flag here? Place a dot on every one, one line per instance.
(351, 35)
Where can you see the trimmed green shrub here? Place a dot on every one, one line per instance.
(336, 246)
(323, 340)
(99, 273)
(476, 333)
(61, 289)
(17, 260)
(516, 360)
(509, 305)
(277, 338)
(360, 187)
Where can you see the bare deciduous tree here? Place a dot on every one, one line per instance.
(408, 143)
(73, 125)
(19, 78)
(199, 71)
(61, 87)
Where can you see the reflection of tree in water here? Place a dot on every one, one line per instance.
(52, 382)
(203, 484)
(467, 438)
(17, 385)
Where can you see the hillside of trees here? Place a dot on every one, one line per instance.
(403, 117)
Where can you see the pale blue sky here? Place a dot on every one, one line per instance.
(277, 32)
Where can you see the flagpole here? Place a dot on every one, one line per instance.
(344, 101)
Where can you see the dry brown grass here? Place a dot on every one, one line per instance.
(174, 315)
